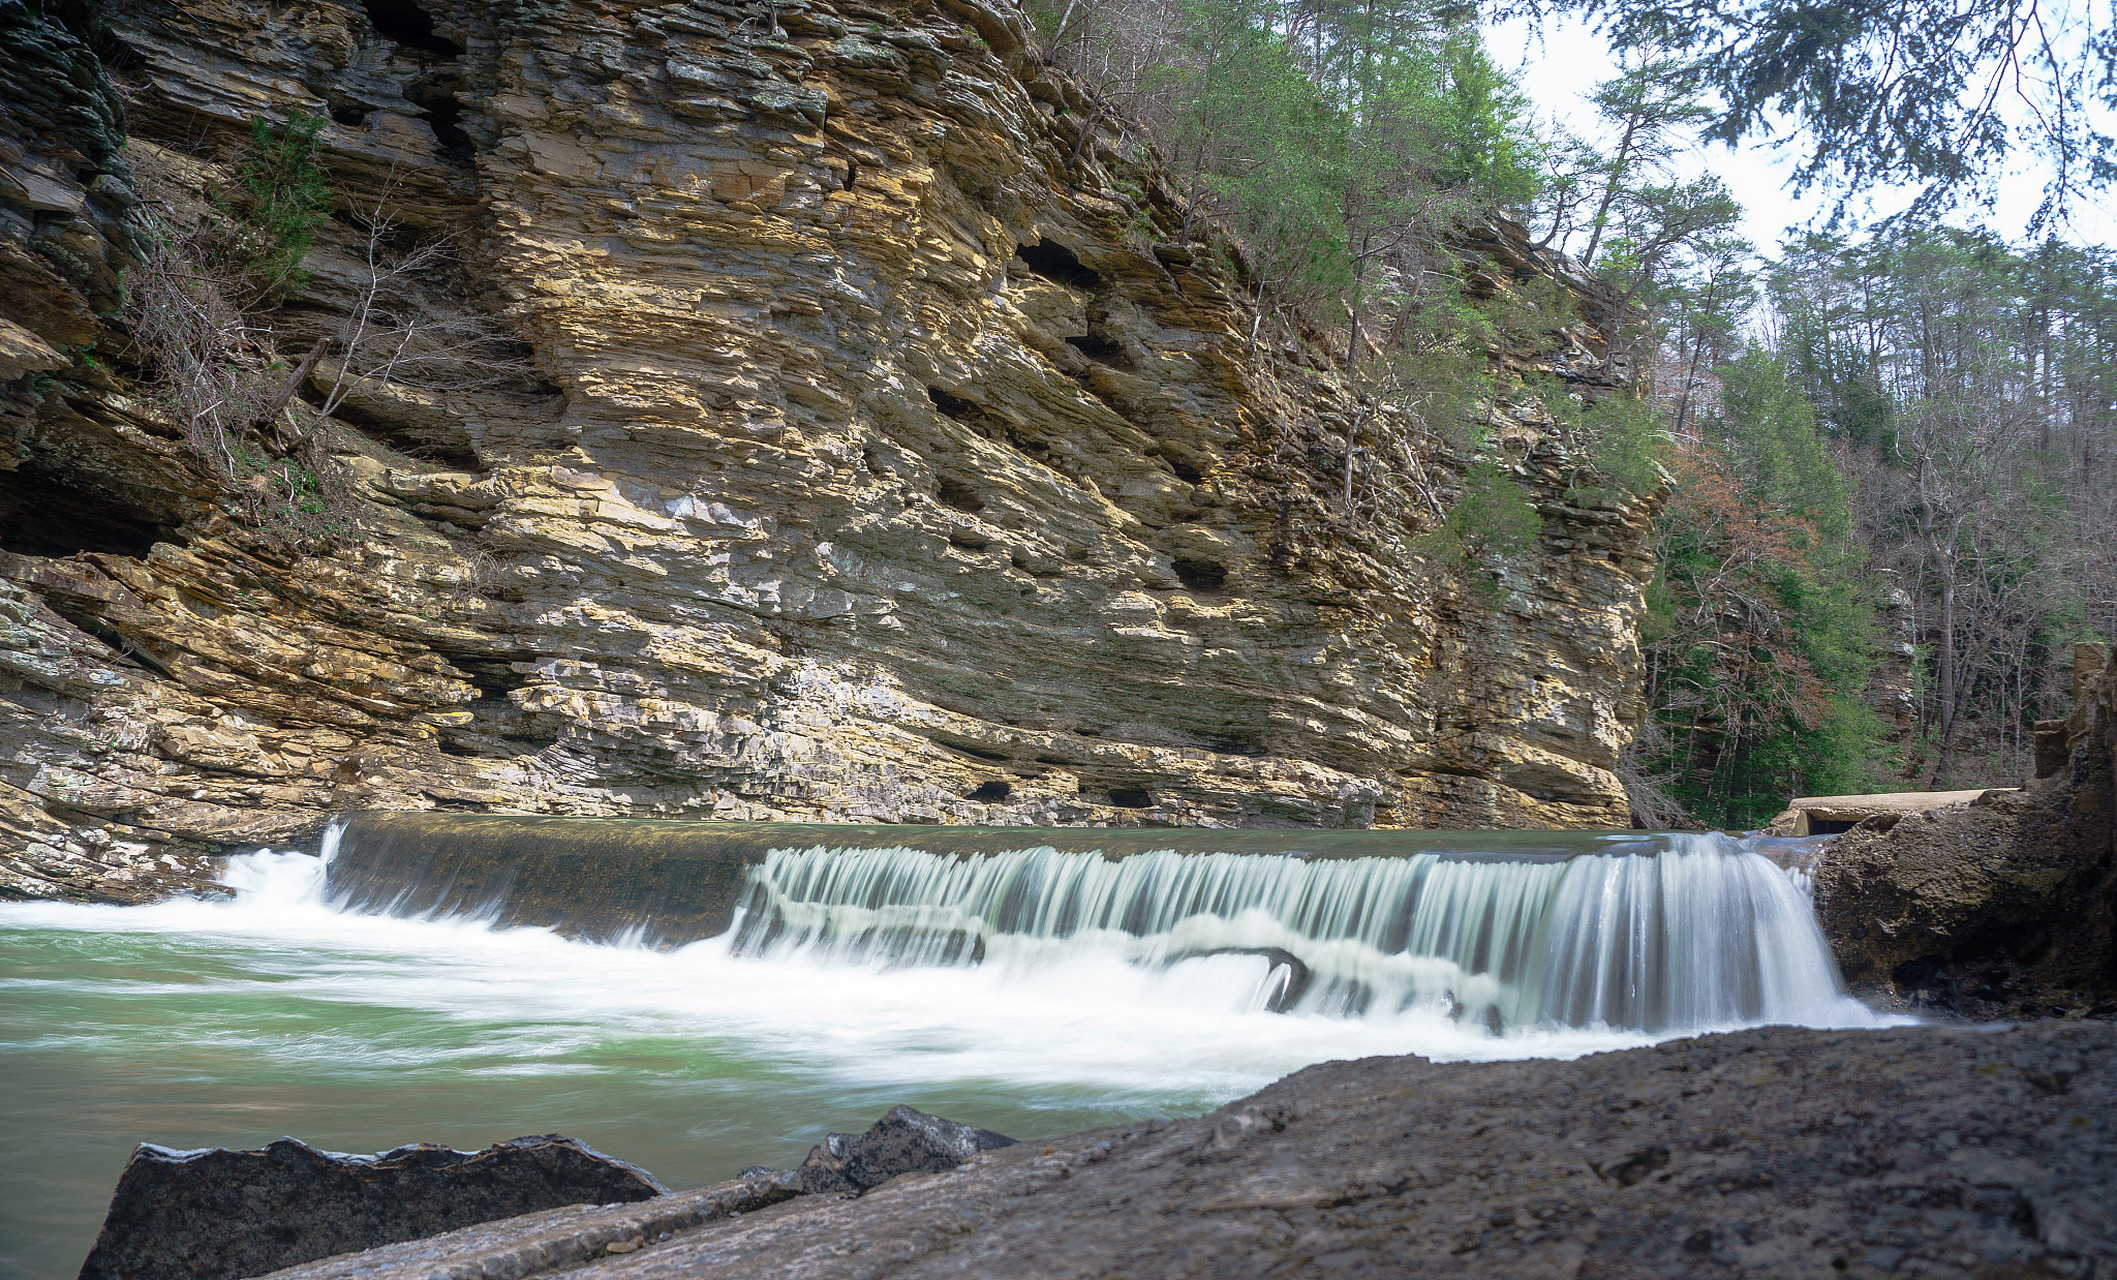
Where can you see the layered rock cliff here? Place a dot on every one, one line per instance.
(864, 449)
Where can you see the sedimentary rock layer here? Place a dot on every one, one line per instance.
(877, 453)
(1779, 1152)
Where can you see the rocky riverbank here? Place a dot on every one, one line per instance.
(2006, 907)
(1779, 1152)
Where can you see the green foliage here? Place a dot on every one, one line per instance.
(1336, 140)
(1486, 141)
(1491, 521)
(1623, 437)
(1843, 755)
(1972, 388)
(1884, 93)
(300, 503)
(1772, 442)
(1762, 636)
(288, 196)
(1626, 443)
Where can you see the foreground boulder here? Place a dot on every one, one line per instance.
(2004, 907)
(904, 1141)
(1780, 1153)
(220, 1214)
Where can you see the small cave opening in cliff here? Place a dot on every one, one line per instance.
(967, 748)
(410, 26)
(959, 495)
(1101, 350)
(1058, 264)
(1131, 798)
(493, 677)
(117, 57)
(44, 515)
(964, 411)
(1185, 469)
(991, 792)
(444, 115)
(1199, 574)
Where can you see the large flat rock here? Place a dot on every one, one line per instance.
(1780, 1152)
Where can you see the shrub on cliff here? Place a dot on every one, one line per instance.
(286, 194)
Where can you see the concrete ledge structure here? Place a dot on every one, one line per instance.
(1827, 815)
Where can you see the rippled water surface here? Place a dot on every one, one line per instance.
(232, 1023)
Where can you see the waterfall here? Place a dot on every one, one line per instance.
(1630, 931)
(1700, 933)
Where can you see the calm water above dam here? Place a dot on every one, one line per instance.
(414, 994)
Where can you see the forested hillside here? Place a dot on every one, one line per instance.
(1885, 455)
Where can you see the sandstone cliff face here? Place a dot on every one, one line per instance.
(880, 459)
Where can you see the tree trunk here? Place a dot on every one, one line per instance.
(1947, 665)
(267, 423)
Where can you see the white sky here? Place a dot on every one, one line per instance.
(1559, 70)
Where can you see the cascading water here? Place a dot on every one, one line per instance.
(1699, 933)
(702, 996)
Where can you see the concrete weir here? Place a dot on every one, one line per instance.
(1579, 929)
(666, 883)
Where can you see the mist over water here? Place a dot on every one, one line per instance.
(232, 1022)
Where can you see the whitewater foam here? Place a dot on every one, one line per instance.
(1081, 1010)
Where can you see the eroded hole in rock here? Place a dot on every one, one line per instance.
(494, 678)
(1200, 575)
(956, 407)
(410, 26)
(1131, 798)
(968, 749)
(121, 645)
(1185, 469)
(350, 115)
(954, 492)
(444, 114)
(1057, 263)
(44, 515)
(499, 729)
(116, 55)
(991, 792)
(428, 438)
(1101, 350)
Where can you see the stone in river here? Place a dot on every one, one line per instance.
(904, 1141)
(222, 1214)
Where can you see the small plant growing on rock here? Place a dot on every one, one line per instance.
(288, 195)
(204, 304)
(1489, 522)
